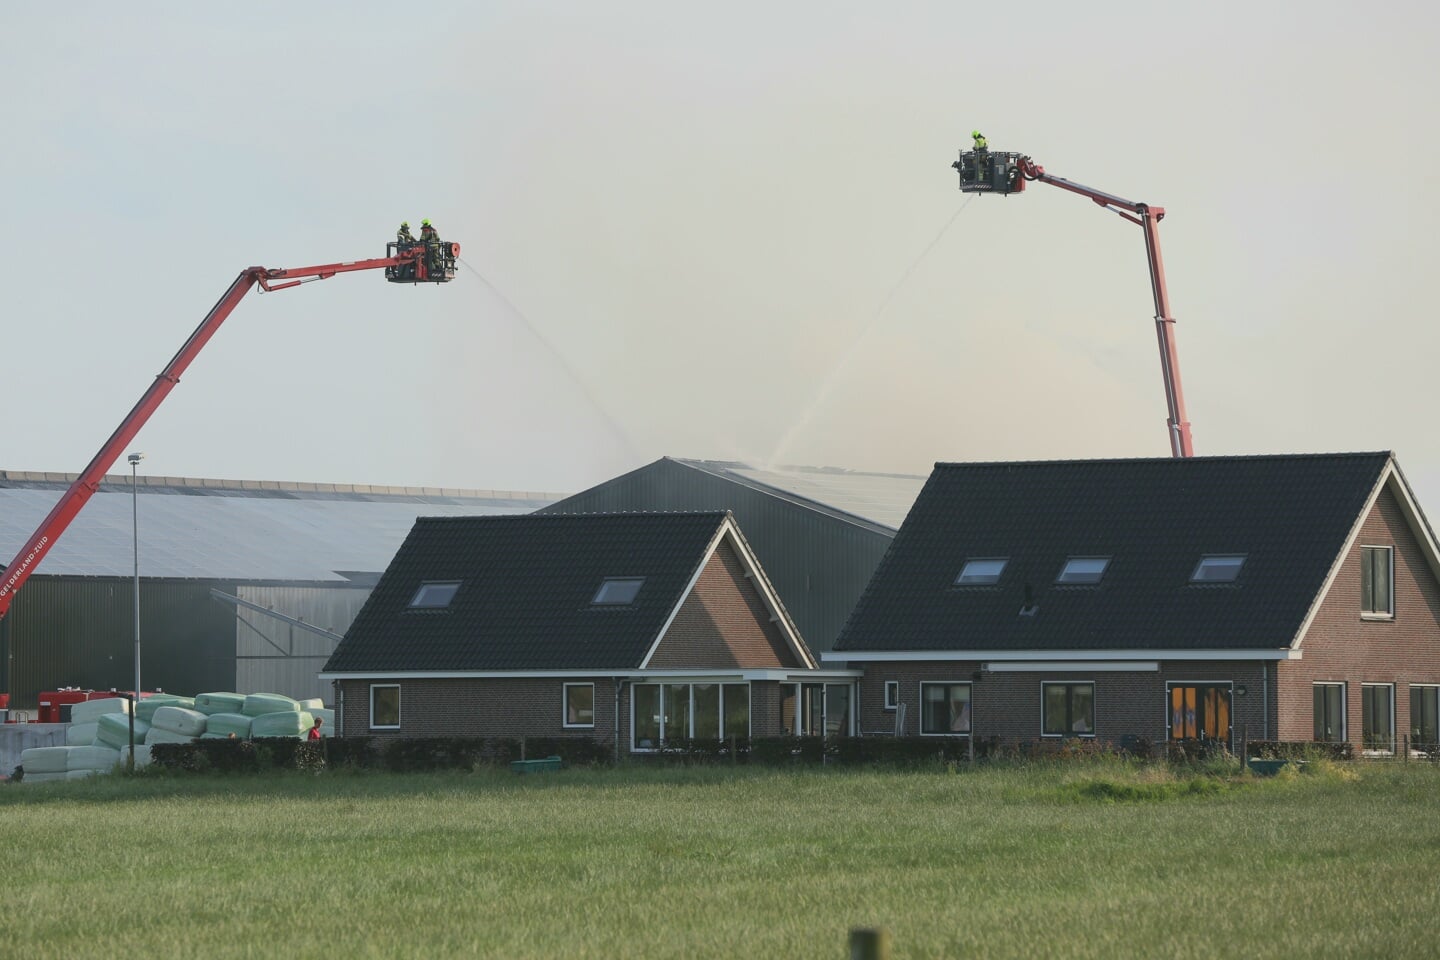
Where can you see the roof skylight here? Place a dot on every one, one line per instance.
(618, 590)
(434, 595)
(1083, 570)
(1220, 568)
(981, 572)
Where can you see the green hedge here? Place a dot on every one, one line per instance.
(1299, 750)
(240, 756)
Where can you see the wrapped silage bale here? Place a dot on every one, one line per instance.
(282, 723)
(80, 734)
(145, 709)
(115, 730)
(259, 704)
(96, 757)
(92, 710)
(313, 704)
(224, 724)
(161, 735)
(44, 777)
(45, 760)
(82, 774)
(142, 756)
(208, 703)
(190, 723)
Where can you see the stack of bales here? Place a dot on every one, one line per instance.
(98, 737)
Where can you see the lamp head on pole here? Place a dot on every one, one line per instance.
(135, 458)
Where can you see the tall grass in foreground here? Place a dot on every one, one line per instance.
(1092, 860)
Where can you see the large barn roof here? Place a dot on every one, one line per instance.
(233, 529)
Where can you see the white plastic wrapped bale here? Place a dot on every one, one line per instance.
(260, 704)
(92, 710)
(224, 724)
(327, 729)
(282, 723)
(145, 709)
(114, 730)
(94, 757)
(45, 760)
(83, 774)
(44, 777)
(190, 723)
(313, 704)
(142, 756)
(161, 735)
(208, 703)
(80, 734)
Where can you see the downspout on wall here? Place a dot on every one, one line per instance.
(1265, 696)
(619, 686)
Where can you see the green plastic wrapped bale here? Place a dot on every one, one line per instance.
(45, 760)
(145, 709)
(92, 710)
(313, 704)
(208, 703)
(80, 734)
(92, 758)
(190, 723)
(224, 724)
(114, 730)
(282, 723)
(259, 704)
(142, 756)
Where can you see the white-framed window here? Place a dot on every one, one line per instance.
(981, 571)
(434, 594)
(618, 590)
(1424, 717)
(662, 713)
(384, 706)
(1218, 568)
(1083, 570)
(945, 709)
(1067, 709)
(1377, 717)
(817, 709)
(1377, 582)
(1330, 712)
(579, 705)
(892, 694)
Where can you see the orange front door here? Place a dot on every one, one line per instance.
(1200, 712)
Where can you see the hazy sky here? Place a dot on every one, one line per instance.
(707, 227)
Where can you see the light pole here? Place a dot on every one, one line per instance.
(135, 459)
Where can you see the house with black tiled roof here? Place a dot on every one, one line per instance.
(1174, 599)
(633, 629)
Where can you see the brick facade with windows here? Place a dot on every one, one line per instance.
(1342, 646)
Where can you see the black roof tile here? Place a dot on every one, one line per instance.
(526, 586)
(1155, 518)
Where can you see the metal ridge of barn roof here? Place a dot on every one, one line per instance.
(193, 486)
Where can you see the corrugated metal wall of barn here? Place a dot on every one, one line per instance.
(78, 631)
(818, 563)
(274, 656)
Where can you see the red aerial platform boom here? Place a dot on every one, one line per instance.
(986, 171)
(407, 263)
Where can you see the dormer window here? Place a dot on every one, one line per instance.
(434, 594)
(977, 573)
(1219, 568)
(1083, 570)
(617, 591)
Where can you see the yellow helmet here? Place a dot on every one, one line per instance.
(404, 224)
(424, 223)
(977, 135)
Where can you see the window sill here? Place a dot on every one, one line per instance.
(1068, 736)
(953, 735)
(1377, 616)
(577, 726)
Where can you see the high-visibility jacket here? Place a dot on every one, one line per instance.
(981, 143)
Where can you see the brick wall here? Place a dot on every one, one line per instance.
(1007, 705)
(515, 708)
(1342, 647)
(723, 623)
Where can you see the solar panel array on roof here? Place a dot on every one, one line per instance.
(222, 531)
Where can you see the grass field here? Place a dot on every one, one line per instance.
(1084, 860)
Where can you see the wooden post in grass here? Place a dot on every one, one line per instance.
(1244, 746)
(869, 943)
